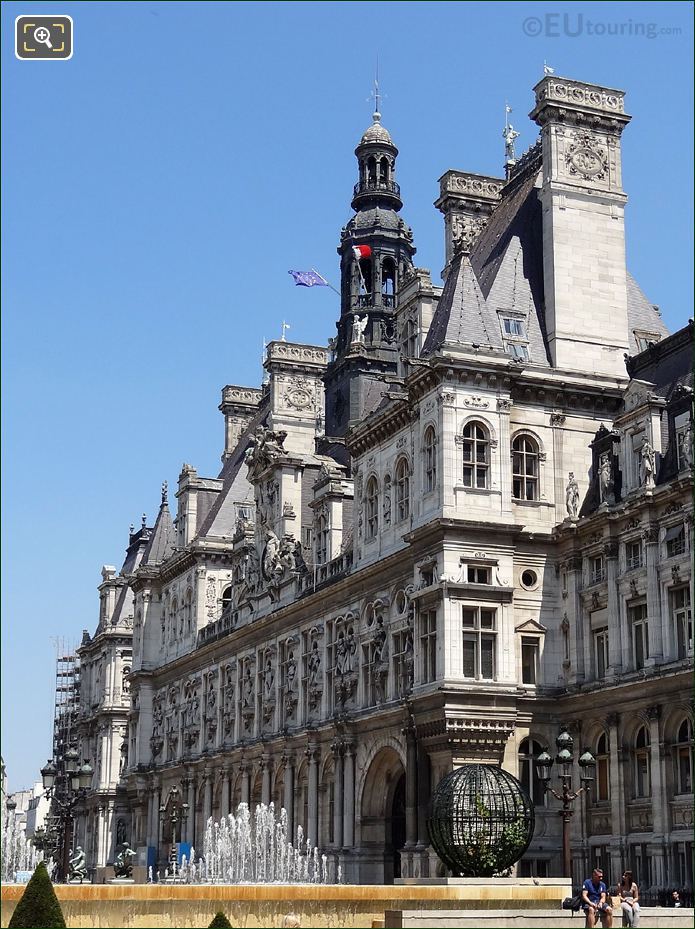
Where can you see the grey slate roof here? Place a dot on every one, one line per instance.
(641, 314)
(161, 542)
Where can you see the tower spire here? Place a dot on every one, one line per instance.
(376, 116)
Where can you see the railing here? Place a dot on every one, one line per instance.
(368, 187)
(367, 300)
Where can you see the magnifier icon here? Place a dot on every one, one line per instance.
(43, 35)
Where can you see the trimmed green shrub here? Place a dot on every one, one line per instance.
(38, 907)
(220, 922)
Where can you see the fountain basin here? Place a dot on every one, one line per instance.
(266, 905)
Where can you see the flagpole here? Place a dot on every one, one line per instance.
(327, 283)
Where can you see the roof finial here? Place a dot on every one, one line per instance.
(165, 491)
(144, 520)
(376, 115)
(547, 69)
(285, 326)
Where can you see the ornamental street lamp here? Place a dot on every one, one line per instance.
(565, 762)
(65, 790)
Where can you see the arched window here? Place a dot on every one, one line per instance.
(409, 339)
(683, 751)
(603, 781)
(641, 769)
(403, 489)
(383, 170)
(524, 468)
(372, 508)
(188, 610)
(371, 171)
(476, 456)
(226, 599)
(529, 750)
(429, 446)
(322, 539)
(388, 277)
(174, 611)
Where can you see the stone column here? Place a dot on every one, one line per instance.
(313, 832)
(338, 794)
(245, 784)
(654, 713)
(224, 799)
(410, 788)
(614, 775)
(656, 637)
(500, 457)
(349, 798)
(207, 797)
(614, 633)
(190, 825)
(266, 772)
(557, 421)
(149, 840)
(423, 792)
(288, 795)
(578, 656)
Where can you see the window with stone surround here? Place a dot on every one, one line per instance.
(525, 468)
(479, 642)
(427, 623)
(644, 339)
(602, 787)
(402, 489)
(633, 554)
(476, 456)
(601, 654)
(322, 539)
(639, 629)
(372, 508)
(641, 786)
(429, 447)
(683, 757)
(675, 541)
(530, 659)
(597, 569)
(682, 620)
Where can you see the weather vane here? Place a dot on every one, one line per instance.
(285, 326)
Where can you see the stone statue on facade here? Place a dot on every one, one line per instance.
(359, 325)
(77, 864)
(605, 478)
(268, 679)
(123, 865)
(647, 463)
(510, 135)
(572, 496)
(314, 665)
(247, 697)
(265, 447)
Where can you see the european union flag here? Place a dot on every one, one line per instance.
(308, 279)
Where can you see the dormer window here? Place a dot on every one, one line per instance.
(644, 339)
(515, 337)
(513, 327)
(517, 350)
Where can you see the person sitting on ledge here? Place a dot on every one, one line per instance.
(595, 897)
(675, 899)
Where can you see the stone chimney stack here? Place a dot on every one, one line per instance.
(239, 405)
(583, 224)
(466, 200)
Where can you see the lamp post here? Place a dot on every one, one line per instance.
(65, 790)
(566, 796)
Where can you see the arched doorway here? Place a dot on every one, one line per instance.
(382, 819)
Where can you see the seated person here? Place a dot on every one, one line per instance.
(595, 900)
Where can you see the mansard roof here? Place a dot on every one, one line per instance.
(667, 364)
(641, 314)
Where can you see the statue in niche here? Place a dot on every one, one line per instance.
(351, 644)
(359, 325)
(387, 500)
(647, 460)
(291, 674)
(605, 478)
(341, 654)
(268, 679)
(314, 664)
(380, 650)
(247, 698)
(572, 496)
(685, 447)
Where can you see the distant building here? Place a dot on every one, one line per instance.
(462, 524)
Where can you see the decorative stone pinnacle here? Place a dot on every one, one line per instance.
(165, 491)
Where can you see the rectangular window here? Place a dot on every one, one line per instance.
(602, 779)
(637, 618)
(642, 786)
(633, 554)
(675, 541)
(597, 570)
(682, 620)
(517, 350)
(428, 646)
(601, 652)
(530, 651)
(479, 642)
(513, 327)
(477, 575)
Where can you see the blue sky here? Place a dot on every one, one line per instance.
(159, 185)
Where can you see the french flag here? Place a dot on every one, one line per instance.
(361, 251)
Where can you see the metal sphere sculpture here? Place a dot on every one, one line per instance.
(481, 820)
